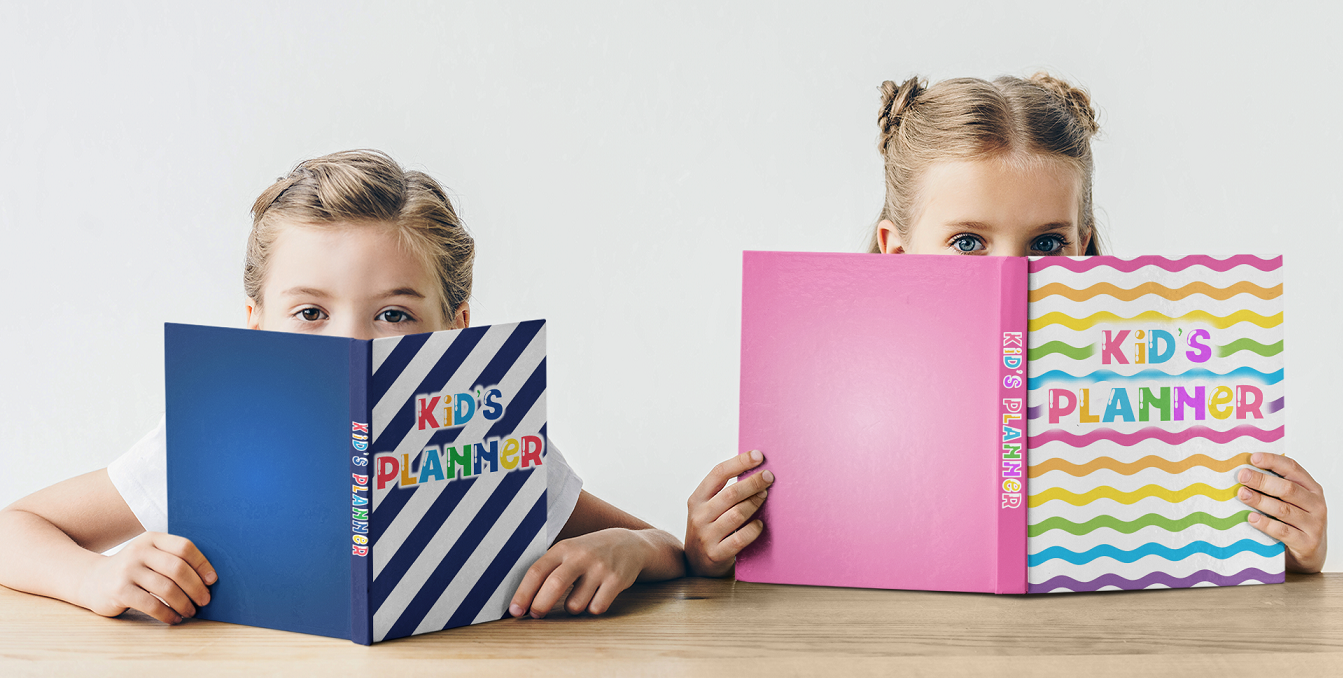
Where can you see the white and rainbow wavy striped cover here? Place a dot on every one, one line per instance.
(1124, 493)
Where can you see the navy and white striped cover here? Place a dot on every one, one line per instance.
(452, 553)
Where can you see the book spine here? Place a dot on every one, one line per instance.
(1011, 454)
(361, 493)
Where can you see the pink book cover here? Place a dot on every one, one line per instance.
(898, 449)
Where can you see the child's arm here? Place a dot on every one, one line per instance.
(54, 540)
(714, 532)
(600, 551)
(1296, 500)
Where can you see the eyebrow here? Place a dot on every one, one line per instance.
(321, 294)
(401, 292)
(305, 292)
(1054, 225)
(979, 225)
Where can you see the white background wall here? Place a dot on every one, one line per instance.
(612, 163)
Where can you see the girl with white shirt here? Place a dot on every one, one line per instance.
(347, 245)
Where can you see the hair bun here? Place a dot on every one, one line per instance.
(1076, 99)
(895, 102)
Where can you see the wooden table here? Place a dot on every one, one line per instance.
(720, 627)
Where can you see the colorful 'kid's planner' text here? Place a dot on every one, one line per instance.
(1176, 402)
(447, 462)
(1013, 461)
(359, 507)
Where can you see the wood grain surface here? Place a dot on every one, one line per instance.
(719, 627)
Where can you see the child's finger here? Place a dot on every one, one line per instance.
(737, 516)
(724, 472)
(165, 590)
(606, 594)
(531, 583)
(1288, 535)
(182, 574)
(553, 588)
(1287, 513)
(737, 492)
(1281, 488)
(141, 600)
(735, 542)
(1287, 468)
(187, 551)
(582, 593)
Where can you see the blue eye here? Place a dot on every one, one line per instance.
(1049, 244)
(393, 315)
(966, 244)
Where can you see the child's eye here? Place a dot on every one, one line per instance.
(311, 314)
(1049, 244)
(393, 315)
(966, 244)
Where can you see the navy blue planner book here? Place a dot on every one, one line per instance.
(361, 489)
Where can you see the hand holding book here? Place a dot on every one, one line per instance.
(1296, 501)
(162, 575)
(716, 525)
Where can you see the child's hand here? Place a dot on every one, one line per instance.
(1296, 500)
(598, 564)
(714, 534)
(153, 569)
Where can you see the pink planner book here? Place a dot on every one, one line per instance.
(874, 392)
(1007, 425)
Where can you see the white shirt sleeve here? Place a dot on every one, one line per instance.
(562, 489)
(141, 476)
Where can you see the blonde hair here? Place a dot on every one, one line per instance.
(967, 118)
(366, 186)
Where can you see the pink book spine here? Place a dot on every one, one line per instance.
(1012, 408)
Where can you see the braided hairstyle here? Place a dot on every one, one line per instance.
(968, 119)
(366, 187)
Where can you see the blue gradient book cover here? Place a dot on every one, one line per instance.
(362, 489)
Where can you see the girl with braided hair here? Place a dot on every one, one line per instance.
(1001, 168)
(1015, 152)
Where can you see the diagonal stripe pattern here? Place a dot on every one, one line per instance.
(444, 550)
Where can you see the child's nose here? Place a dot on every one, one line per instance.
(1014, 249)
(354, 330)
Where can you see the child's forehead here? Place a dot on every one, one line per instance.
(1014, 171)
(981, 190)
(371, 258)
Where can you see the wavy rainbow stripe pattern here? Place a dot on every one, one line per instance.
(1173, 294)
(1130, 468)
(1247, 344)
(1245, 576)
(1154, 263)
(1083, 352)
(1107, 492)
(1137, 504)
(1130, 526)
(1220, 322)
(1155, 433)
(1152, 549)
(1155, 375)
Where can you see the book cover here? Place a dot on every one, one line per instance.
(887, 402)
(1152, 380)
(361, 489)
(886, 393)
